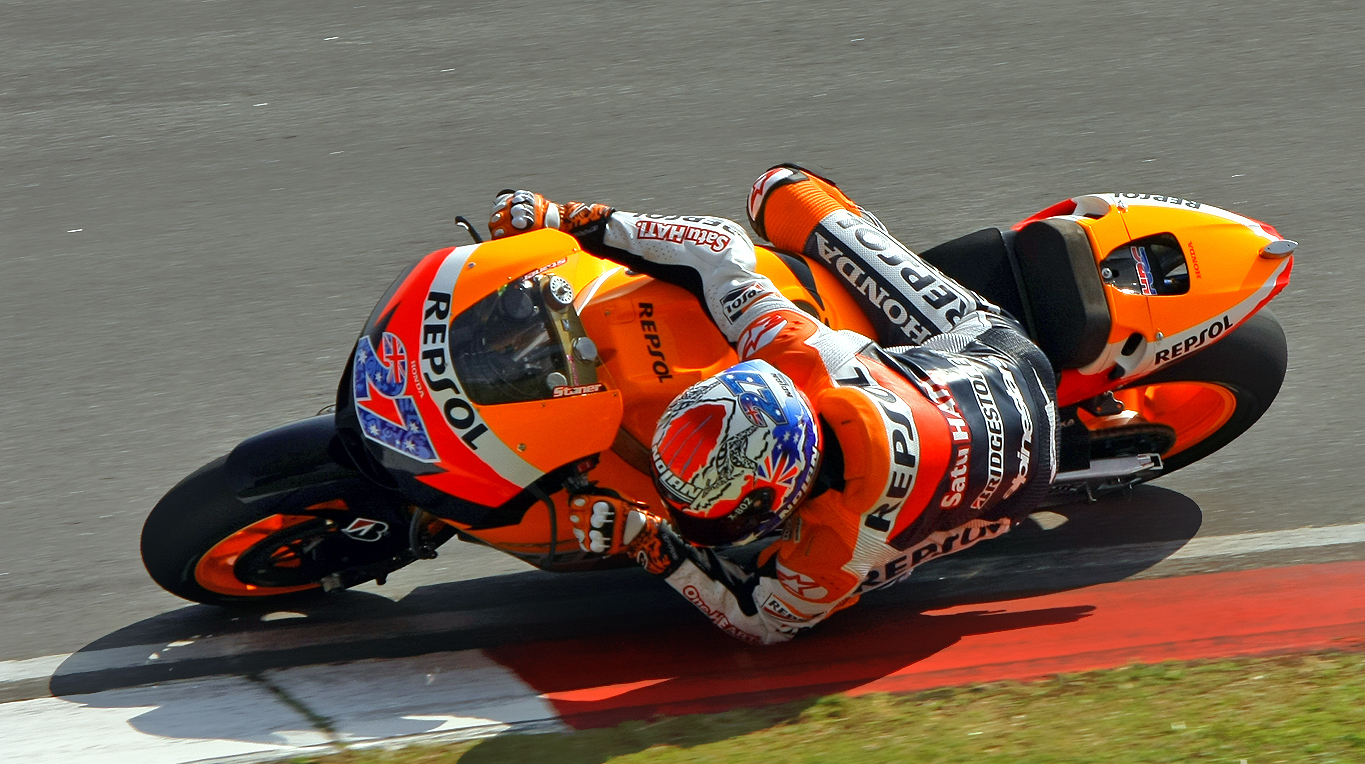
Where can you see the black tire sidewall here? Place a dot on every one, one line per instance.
(1250, 362)
(192, 518)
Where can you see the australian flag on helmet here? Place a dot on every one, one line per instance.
(734, 454)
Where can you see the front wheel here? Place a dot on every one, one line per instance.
(1194, 407)
(201, 542)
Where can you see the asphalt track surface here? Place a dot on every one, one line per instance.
(202, 199)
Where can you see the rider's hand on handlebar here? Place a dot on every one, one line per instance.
(608, 525)
(517, 212)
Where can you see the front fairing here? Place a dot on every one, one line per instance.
(464, 426)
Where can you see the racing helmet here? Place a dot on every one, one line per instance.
(735, 454)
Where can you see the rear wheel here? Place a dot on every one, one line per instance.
(204, 544)
(1200, 404)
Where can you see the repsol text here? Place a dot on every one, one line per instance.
(438, 375)
(660, 367)
(1209, 333)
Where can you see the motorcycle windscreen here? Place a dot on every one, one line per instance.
(515, 346)
(475, 403)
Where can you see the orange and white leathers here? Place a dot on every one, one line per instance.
(937, 442)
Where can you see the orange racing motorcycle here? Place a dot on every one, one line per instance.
(494, 380)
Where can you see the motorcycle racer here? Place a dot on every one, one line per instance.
(871, 457)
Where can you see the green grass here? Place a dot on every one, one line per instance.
(1308, 708)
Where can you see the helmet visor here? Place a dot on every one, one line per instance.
(753, 518)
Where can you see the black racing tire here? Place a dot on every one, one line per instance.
(1250, 363)
(202, 511)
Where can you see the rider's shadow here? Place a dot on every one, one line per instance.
(681, 670)
(654, 675)
(889, 632)
(1057, 549)
(653, 653)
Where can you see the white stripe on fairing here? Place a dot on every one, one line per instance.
(310, 636)
(368, 703)
(1255, 226)
(493, 451)
(590, 291)
(1236, 315)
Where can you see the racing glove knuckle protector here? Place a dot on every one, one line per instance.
(608, 525)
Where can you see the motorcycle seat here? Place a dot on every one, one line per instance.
(1045, 276)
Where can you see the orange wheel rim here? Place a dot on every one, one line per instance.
(216, 572)
(1195, 410)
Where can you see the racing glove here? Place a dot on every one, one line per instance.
(611, 525)
(517, 212)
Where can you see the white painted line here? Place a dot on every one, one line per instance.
(170, 724)
(32, 668)
(437, 693)
(1270, 541)
(306, 635)
(455, 695)
(951, 567)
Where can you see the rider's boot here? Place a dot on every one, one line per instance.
(788, 201)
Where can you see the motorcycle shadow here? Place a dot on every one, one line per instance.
(602, 648)
(1057, 549)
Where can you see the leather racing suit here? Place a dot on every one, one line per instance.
(941, 439)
